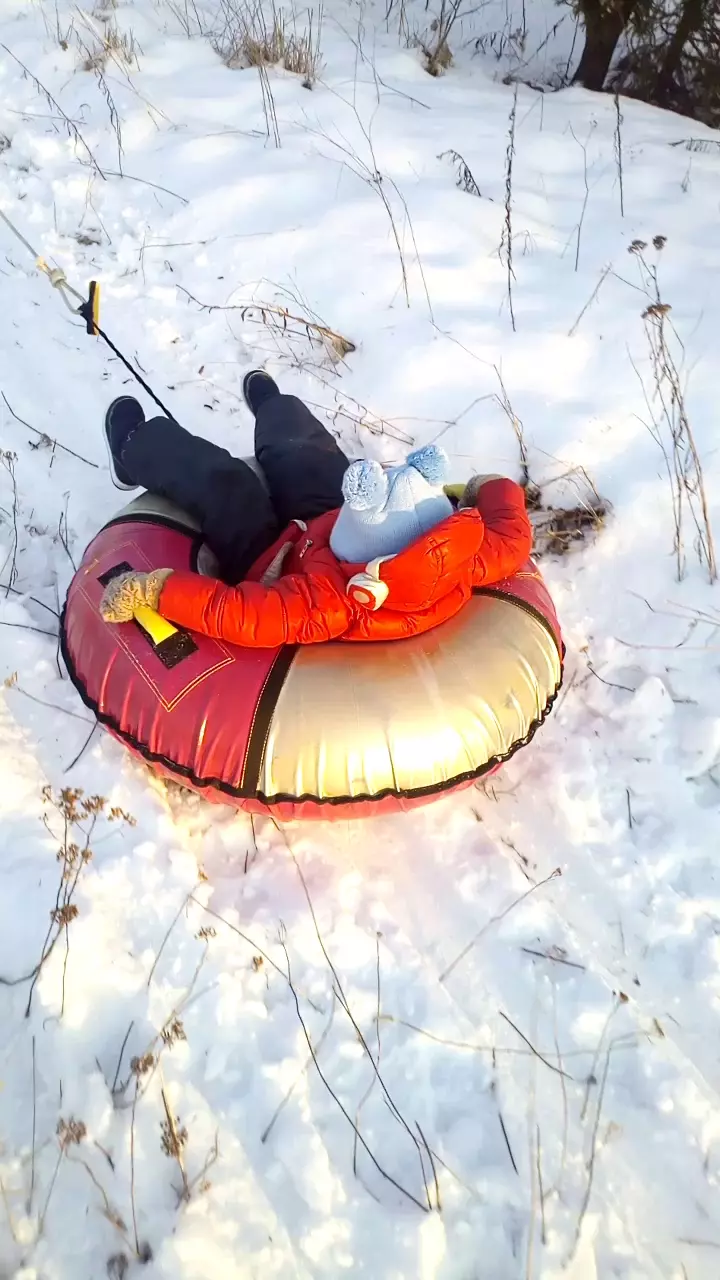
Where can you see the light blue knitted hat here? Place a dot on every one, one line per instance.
(385, 510)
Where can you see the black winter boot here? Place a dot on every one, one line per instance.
(122, 419)
(257, 387)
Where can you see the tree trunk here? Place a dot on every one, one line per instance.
(691, 20)
(604, 24)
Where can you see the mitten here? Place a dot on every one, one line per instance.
(472, 488)
(124, 594)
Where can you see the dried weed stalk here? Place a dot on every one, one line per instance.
(284, 323)
(107, 45)
(369, 172)
(464, 178)
(507, 235)
(79, 815)
(8, 460)
(70, 125)
(70, 1133)
(669, 423)
(272, 128)
(617, 147)
(557, 529)
(345, 1006)
(435, 46)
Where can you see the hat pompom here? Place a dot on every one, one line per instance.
(364, 485)
(432, 463)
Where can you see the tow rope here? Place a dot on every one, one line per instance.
(89, 309)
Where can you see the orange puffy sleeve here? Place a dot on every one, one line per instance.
(508, 535)
(298, 609)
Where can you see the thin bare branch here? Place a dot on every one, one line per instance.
(495, 920)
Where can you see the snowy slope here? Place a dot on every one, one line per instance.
(599, 1158)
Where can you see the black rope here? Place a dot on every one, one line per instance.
(86, 314)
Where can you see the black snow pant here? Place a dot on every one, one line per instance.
(239, 519)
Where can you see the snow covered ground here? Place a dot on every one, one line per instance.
(595, 1153)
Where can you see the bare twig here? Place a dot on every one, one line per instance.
(617, 143)
(268, 101)
(132, 1166)
(129, 177)
(281, 1107)
(476, 1048)
(52, 706)
(173, 1142)
(548, 955)
(8, 460)
(503, 400)
(25, 626)
(507, 232)
(373, 1078)
(63, 534)
(507, 1140)
(591, 1162)
(46, 439)
(120, 1056)
(603, 277)
(34, 1129)
(17, 591)
(256, 948)
(583, 148)
(438, 1203)
(70, 1133)
(83, 748)
(682, 458)
(72, 857)
(209, 1161)
(541, 1188)
(494, 920)
(592, 1079)
(437, 52)
(566, 1110)
(266, 313)
(188, 897)
(345, 1005)
(558, 1070)
(533, 1168)
(464, 179)
(107, 1211)
(387, 1176)
(70, 125)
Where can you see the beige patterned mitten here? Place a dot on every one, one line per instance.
(124, 594)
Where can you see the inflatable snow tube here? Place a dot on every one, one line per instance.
(317, 731)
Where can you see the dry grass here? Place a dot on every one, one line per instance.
(107, 44)
(565, 511)
(434, 44)
(668, 421)
(559, 530)
(253, 35)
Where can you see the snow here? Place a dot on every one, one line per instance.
(600, 1158)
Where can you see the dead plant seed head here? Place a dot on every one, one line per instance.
(174, 1032)
(659, 242)
(656, 311)
(64, 915)
(174, 1138)
(140, 1066)
(70, 1133)
(637, 246)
